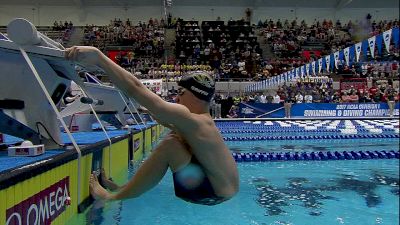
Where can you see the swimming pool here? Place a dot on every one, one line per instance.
(295, 192)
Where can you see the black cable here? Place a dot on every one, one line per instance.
(48, 133)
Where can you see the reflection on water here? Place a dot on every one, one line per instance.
(299, 191)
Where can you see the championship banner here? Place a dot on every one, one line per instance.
(263, 110)
(352, 54)
(319, 65)
(336, 58)
(371, 44)
(154, 85)
(315, 110)
(365, 47)
(358, 50)
(347, 55)
(347, 110)
(313, 68)
(395, 35)
(386, 38)
(328, 62)
(378, 42)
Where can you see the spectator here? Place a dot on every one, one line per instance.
(391, 94)
(345, 97)
(216, 106)
(364, 97)
(336, 98)
(316, 96)
(353, 98)
(263, 98)
(376, 98)
(308, 98)
(299, 97)
(289, 100)
(232, 112)
(276, 99)
(173, 91)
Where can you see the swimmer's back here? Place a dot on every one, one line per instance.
(207, 145)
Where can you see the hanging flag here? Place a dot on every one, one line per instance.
(303, 69)
(323, 64)
(386, 38)
(336, 58)
(371, 44)
(358, 50)
(328, 60)
(313, 68)
(319, 65)
(298, 73)
(308, 68)
(378, 42)
(352, 54)
(346, 52)
(395, 35)
(364, 48)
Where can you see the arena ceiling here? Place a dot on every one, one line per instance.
(240, 3)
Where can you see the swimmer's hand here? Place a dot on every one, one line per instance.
(96, 190)
(84, 54)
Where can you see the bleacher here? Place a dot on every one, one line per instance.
(188, 37)
(61, 36)
(214, 38)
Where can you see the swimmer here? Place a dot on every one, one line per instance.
(203, 168)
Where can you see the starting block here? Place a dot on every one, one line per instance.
(26, 149)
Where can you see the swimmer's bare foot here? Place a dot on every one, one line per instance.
(96, 190)
(108, 183)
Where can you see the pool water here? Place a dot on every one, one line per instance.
(377, 144)
(296, 192)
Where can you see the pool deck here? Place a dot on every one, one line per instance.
(83, 139)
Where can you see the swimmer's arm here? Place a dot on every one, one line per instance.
(165, 112)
